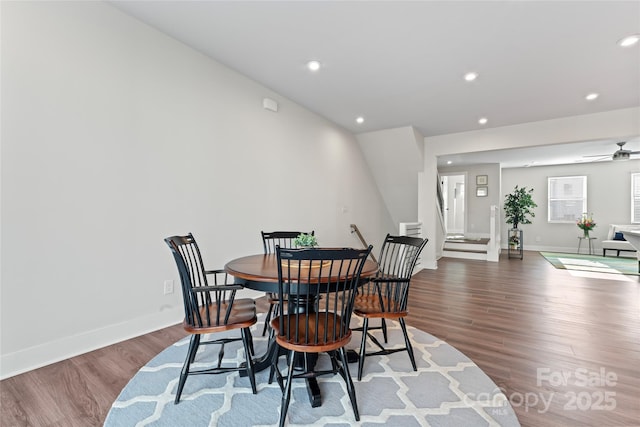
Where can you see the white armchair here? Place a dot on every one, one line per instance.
(618, 245)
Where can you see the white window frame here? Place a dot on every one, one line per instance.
(635, 198)
(550, 199)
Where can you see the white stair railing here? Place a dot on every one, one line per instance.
(411, 229)
(493, 247)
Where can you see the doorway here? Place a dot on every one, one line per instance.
(453, 193)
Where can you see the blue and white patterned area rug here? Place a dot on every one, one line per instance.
(447, 390)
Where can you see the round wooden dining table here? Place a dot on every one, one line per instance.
(260, 273)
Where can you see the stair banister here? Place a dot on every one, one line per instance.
(354, 229)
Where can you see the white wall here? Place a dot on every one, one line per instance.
(395, 157)
(115, 136)
(608, 197)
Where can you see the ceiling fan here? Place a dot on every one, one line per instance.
(620, 154)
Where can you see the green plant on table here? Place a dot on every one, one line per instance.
(305, 240)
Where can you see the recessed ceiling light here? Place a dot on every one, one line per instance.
(483, 121)
(313, 65)
(591, 96)
(470, 76)
(629, 40)
(360, 120)
(449, 162)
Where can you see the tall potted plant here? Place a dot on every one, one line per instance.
(518, 205)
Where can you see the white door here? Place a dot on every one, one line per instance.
(453, 189)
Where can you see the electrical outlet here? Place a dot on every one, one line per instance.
(168, 287)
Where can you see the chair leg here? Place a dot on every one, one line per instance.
(408, 343)
(334, 364)
(384, 330)
(191, 354)
(349, 382)
(248, 350)
(363, 346)
(286, 394)
(274, 371)
(250, 338)
(267, 319)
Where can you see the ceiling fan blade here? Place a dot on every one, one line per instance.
(596, 158)
(620, 154)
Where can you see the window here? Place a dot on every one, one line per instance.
(635, 197)
(567, 198)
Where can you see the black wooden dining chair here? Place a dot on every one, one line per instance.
(318, 287)
(270, 240)
(385, 296)
(210, 307)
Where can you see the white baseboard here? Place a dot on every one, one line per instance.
(44, 354)
(54, 351)
(537, 248)
(424, 264)
(566, 250)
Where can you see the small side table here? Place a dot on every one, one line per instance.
(588, 239)
(515, 250)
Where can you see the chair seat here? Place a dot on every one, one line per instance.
(244, 302)
(326, 327)
(242, 315)
(369, 306)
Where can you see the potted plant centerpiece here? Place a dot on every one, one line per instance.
(304, 240)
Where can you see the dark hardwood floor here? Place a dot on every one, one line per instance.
(564, 348)
(538, 332)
